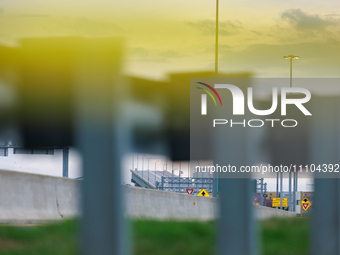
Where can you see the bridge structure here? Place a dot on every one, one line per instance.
(149, 179)
(166, 181)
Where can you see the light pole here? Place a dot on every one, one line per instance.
(216, 40)
(173, 171)
(155, 164)
(291, 57)
(277, 184)
(189, 169)
(281, 191)
(290, 191)
(149, 167)
(143, 166)
(166, 164)
(265, 194)
(180, 169)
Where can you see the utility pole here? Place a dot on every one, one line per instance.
(290, 191)
(261, 194)
(281, 193)
(216, 40)
(265, 194)
(277, 184)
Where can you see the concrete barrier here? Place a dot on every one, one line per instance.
(30, 198)
(262, 212)
(153, 204)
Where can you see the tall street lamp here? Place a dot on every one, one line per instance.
(155, 165)
(216, 40)
(166, 164)
(143, 166)
(180, 169)
(173, 171)
(291, 57)
(148, 168)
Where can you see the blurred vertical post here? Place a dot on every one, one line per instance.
(237, 232)
(65, 161)
(324, 143)
(101, 142)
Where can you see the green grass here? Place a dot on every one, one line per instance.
(56, 239)
(279, 236)
(285, 236)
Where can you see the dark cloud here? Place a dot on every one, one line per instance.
(207, 27)
(304, 21)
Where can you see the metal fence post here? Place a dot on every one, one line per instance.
(65, 161)
(102, 143)
(237, 235)
(324, 144)
(325, 221)
(237, 231)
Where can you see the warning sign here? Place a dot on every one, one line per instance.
(276, 202)
(203, 193)
(190, 191)
(306, 204)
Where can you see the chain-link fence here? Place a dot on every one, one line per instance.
(181, 184)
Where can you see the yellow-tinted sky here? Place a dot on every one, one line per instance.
(171, 36)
